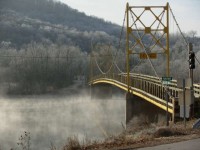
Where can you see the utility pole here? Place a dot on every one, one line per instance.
(184, 107)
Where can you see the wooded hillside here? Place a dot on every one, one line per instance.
(45, 44)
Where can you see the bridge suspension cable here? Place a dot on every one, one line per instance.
(116, 54)
(184, 38)
(118, 68)
(121, 33)
(98, 66)
(111, 66)
(119, 46)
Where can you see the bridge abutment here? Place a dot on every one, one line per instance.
(137, 107)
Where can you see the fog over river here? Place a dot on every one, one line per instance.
(53, 118)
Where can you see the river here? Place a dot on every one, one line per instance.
(54, 118)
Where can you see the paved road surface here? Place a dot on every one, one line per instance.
(185, 145)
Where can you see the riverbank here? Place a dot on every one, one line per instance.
(143, 135)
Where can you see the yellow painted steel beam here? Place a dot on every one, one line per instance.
(148, 30)
(135, 93)
(146, 6)
(127, 47)
(153, 102)
(167, 36)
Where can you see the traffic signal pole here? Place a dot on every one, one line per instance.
(191, 61)
(191, 67)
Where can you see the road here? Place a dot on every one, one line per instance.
(185, 145)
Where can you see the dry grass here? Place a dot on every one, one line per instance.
(24, 141)
(138, 135)
(166, 132)
(73, 144)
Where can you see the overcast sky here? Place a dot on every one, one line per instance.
(187, 12)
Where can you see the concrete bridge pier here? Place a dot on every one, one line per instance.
(101, 91)
(137, 107)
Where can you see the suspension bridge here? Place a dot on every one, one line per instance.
(148, 40)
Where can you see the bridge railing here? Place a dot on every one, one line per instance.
(197, 90)
(149, 84)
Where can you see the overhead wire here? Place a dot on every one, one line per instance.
(63, 28)
(41, 57)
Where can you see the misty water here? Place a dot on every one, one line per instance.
(52, 119)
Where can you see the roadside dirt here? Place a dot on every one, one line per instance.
(145, 135)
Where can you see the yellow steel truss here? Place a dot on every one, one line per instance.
(150, 30)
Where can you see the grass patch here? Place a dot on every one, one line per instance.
(166, 132)
(73, 144)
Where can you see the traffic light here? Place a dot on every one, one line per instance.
(191, 60)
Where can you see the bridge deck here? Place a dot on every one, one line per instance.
(147, 87)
